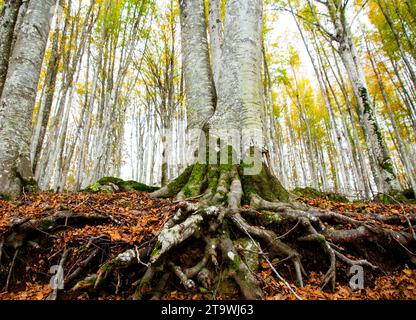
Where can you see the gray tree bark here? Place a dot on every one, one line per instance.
(216, 37)
(200, 92)
(380, 159)
(8, 17)
(39, 131)
(18, 98)
(239, 90)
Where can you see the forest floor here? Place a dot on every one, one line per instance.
(81, 231)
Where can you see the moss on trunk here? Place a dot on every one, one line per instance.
(113, 184)
(265, 185)
(213, 182)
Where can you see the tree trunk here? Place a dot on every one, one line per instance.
(46, 103)
(379, 156)
(18, 98)
(200, 92)
(215, 33)
(8, 17)
(403, 54)
(401, 147)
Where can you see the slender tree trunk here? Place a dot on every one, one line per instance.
(400, 144)
(8, 18)
(379, 156)
(19, 22)
(398, 42)
(356, 141)
(165, 150)
(47, 101)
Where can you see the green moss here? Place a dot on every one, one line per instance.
(83, 248)
(225, 226)
(212, 177)
(394, 197)
(386, 163)
(221, 193)
(156, 249)
(91, 280)
(193, 186)
(313, 193)
(107, 180)
(369, 112)
(64, 206)
(87, 282)
(321, 239)
(264, 184)
(103, 185)
(46, 224)
(95, 187)
(337, 197)
(249, 253)
(135, 186)
(269, 218)
(176, 185)
(308, 192)
(234, 264)
(30, 186)
(388, 166)
(5, 197)
(106, 267)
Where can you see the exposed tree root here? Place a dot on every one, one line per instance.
(213, 215)
(218, 218)
(239, 271)
(21, 229)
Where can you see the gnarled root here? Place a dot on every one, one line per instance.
(282, 228)
(218, 209)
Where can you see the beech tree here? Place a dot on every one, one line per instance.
(268, 123)
(8, 18)
(18, 98)
(232, 104)
(341, 34)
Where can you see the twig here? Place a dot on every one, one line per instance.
(287, 233)
(411, 227)
(81, 203)
(404, 247)
(214, 293)
(82, 265)
(6, 287)
(351, 262)
(138, 257)
(270, 264)
(118, 282)
(405, 215)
